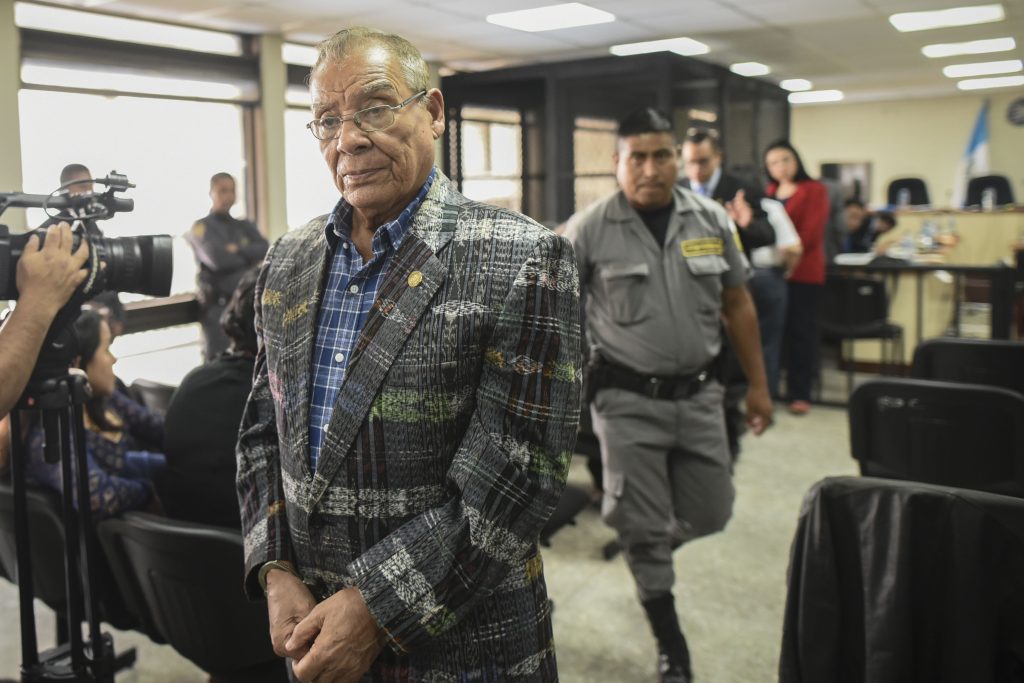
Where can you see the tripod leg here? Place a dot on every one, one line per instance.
(87, 549)
(55, 426)
(29, 645)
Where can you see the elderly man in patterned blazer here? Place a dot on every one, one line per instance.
(415, 403)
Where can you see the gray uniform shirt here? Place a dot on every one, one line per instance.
(654, 308)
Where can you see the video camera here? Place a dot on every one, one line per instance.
(57, 396)
(140, 264)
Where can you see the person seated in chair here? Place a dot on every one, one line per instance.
(119, 472)
(202, 423)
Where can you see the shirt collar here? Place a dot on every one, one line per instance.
(621, 210)
(339, 226)
(712, 184)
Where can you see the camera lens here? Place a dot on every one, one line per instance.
(136, 264)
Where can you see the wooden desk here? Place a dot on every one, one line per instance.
(924, 298)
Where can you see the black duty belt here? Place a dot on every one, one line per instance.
(605, 374)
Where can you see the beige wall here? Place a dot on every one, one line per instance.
(10, 137)
(921, 137)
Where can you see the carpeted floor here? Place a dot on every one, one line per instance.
(730, 587)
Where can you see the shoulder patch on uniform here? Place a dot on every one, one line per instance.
(199, 229)
(736, 238)
(702, 246)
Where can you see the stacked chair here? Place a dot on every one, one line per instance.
(914, 571)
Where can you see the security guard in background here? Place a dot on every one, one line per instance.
(225, 248)
(658, 265)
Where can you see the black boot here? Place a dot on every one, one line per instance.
(673, 655)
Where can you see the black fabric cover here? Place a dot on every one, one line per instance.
(897, 582)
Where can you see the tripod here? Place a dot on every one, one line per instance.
(59, 400)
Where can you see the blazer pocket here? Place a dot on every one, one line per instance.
(625, 286)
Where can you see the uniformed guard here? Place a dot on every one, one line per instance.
(225, 248)
(658, 267)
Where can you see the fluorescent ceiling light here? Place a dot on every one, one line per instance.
(971, 47)
(750, 69)
(551, 17)
(983, 83)
(815, 96)
(795, 84)
(681, 46)
(1008, 66)
(944, 18)
(294, 53)
(54, 19)
(701, 115)
(92, 79)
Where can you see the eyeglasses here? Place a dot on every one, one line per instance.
(367, 120)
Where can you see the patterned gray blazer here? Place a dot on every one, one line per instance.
(448, 446)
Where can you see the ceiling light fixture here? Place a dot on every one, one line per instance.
(944, 18)
(1008, 66)
(795, 84)
(701, 115)
(750, 69)
(985, 83)
(551, 17)
(812, 96)
(93, 24)
(971, 47)
(681, 46)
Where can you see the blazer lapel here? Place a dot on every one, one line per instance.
(303, 293)
(414, 276)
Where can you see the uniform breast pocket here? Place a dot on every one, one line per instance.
(625, 287)
(707, 270)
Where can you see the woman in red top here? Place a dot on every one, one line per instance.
(806, 202)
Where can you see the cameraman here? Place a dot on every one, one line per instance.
(46, 279)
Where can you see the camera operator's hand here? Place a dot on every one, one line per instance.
(46, 279)
(48, 276)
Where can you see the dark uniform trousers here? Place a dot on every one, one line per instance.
(667, 477)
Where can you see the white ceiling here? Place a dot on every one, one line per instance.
(844, 44)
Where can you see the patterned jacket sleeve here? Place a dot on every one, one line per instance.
(508, 471)
(259, 482)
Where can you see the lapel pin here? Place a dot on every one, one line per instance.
(415, 278)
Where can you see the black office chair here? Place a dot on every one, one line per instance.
(965, 435)
(994, 362)
(190, 577)
(154, 395)
(855, 308)
(915, 186)
(999, 184)
(46, 534)
(900, 582)
(46, 541)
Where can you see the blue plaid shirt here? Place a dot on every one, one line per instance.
(351, 290)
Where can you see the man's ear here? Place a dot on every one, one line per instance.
(435, 105)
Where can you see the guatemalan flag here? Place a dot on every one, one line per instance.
(975, 159)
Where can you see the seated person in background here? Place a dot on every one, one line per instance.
(109, 306)
(119, 478)
(884, 222)
(202, 423)
(859, 234)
